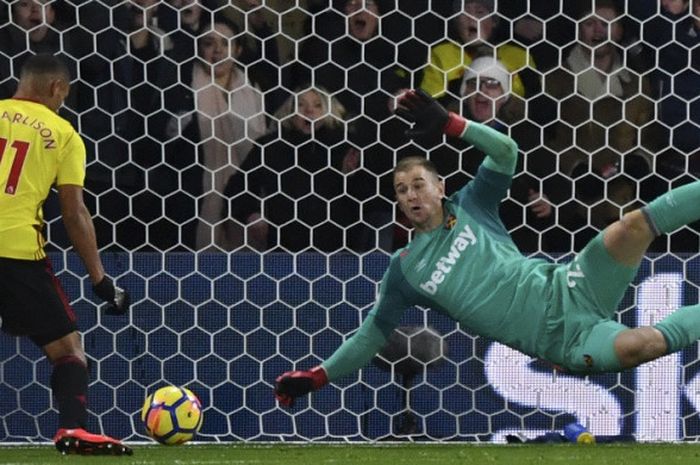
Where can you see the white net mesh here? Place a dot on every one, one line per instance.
(247, 204)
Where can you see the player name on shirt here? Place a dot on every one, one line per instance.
(34, 123)
(445, 263)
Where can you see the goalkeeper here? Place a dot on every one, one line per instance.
(462, 263)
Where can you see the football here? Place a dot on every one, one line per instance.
(172, 415)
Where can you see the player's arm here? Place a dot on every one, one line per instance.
(353, 354)
(356, 352)
(81, 232)
(430, 119)
(501, 151)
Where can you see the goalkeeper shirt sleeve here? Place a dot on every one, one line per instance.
(501, 150)
(358, 351)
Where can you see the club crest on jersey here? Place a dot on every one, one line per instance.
(451, 222)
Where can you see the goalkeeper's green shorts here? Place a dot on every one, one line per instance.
(590, 289)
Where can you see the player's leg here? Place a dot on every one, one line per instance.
(609, 346)
(69, 378)
(628, 239)
(639, 345)
(596, 281)
(69, 383)
(673, 333)
(36, 306)
(594, 350)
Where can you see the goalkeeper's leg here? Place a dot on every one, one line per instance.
(610, 346)
(627, 241)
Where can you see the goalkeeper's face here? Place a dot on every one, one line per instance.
(419, 193)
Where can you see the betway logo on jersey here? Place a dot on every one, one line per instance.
(445, 264)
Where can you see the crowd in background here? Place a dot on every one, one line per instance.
(249, 125)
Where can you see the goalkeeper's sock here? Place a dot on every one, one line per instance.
(674, 209)
(69, 382)
(681, 328)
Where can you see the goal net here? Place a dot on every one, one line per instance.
(239, 173)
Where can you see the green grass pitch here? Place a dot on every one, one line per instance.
(370, 454)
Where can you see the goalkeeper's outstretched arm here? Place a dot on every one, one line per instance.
(357, 351)
(353, 354)
(431, 119)
(501, 150)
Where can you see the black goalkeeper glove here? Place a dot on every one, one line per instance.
(293, 384)
(429, 117)
(117, 299)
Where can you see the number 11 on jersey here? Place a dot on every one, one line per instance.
(21, 150)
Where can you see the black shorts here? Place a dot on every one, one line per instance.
(32, 301)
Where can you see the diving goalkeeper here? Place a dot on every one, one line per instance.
(463, 263)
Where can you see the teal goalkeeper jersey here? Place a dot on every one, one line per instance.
(469, 269)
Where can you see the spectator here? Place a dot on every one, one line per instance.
(601, 128)
(182, 19)
(364, 70)
(34, 28)
(261, 54)
(622, 194)
(677, 79)
(659, 22)
(528, 21)
(472, 34)
(602, 104)
(361, 68)
(118, 72)
(139, 19)
(290, 179)
(219, 112)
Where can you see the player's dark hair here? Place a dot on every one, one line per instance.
(44, 64)
(407, 163)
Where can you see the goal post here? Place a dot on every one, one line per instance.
(236, 280)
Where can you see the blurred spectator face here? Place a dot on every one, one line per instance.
(675, 7)
(484, 103)
(475, 23)
(218, 47)
(190, 12)
(601, 31)
(696, 10)
(363, 18)
(33, 16)
(311, 109)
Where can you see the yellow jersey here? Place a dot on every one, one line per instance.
(449, 60)
(38, 149)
